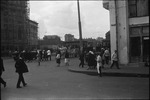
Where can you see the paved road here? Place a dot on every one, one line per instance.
(49, 82)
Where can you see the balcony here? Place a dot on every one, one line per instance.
(106, 4)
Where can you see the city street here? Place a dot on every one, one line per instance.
(49, 82)
(99, 30)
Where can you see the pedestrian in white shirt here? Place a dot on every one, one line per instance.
(99, 65)
(49, 54)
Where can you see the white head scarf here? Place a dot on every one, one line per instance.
(91, 52)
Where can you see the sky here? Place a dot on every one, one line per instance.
(61, 17)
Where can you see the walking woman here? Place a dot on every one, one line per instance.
(91, 60)
(66, 58)
(115, 60)
(21, 68)
(106, 55)
(58, 57)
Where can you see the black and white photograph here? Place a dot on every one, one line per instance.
(74, 50)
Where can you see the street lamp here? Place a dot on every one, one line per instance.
(80, 29)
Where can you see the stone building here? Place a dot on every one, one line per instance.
(14, 15)
(106, 41)
(32, 34)
(50, 41)
(129, 29)
(69, 37)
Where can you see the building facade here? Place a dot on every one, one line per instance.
(69, 37)
(50, 41)
(129, 29)
(91, 42)
(32, 36)
(14, 15)
(106, 41)
(74, 44)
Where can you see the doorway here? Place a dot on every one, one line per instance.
(145, 44)
(135, 49)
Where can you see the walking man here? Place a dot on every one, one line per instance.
(103, 57)
(81, 58)
(115, 60)
(39, 56)
(1, 71)
(21, 68)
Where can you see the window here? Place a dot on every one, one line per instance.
(139, 42)
(139, 30)
(19, 33)
(132, 8)
(132, 11)
(142, 7)
(135, 30)
(138, 8)
(3, 47)
(6, 19)
(145, 30)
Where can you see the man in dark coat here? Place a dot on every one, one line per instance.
(81, 58)
(1, 70)
(21, 68)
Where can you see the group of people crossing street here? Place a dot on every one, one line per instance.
(98, 60)
(44, 55)
(94, 61)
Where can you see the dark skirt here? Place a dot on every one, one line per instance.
(58, 61)
(92, 63)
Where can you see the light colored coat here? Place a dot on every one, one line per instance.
(99, 60)
(114, 57)
(48, 52)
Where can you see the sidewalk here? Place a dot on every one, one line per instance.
(124, 71)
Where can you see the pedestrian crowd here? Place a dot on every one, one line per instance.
(97, 60)
(93, 59)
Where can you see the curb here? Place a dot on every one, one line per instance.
(117, 74)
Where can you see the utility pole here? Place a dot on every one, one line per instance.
(80, 28)
(116, 11)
